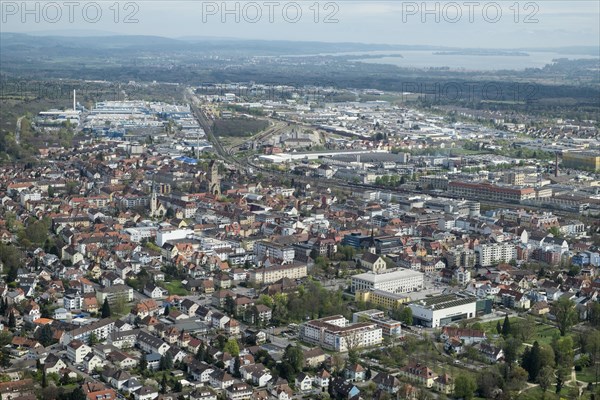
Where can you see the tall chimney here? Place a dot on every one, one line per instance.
(556, 164)
(74, 101)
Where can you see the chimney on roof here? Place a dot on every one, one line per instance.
(556, 164)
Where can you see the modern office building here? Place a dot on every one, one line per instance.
(381, 298)
(437, 311)
(394, 281)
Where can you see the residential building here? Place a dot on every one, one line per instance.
(335, 333)
(495, 253)
(373, 262)
(267, 275)
(389, 327)
(101, 329)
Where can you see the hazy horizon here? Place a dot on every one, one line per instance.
(543, 24)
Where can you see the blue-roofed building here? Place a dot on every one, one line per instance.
(153, 360)
(586, 258)
(187, 160)
(356, 240)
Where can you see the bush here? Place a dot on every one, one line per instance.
(583, 362)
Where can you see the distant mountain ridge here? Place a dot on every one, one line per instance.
(105, 41)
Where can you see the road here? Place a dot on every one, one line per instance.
(138, 296)
(18, 130)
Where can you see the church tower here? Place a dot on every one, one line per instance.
(214, 179)
(153, 202)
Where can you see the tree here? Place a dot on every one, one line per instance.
(77, 394)
(565, 313)
(555, 231)
(488, 382)
(229, 305)
(517, 378)
(4, 358)
(464, 387)
(143, 366)
(44, 335)
(547, 356)
(119, 304)
(105, 312)
(531, 361)
(36, 232)
(594, 314)
(337, 362)
(163, 384)
(544, 379)
(177, 387)
(232, 347)
(93, 339)
(167, 310)
(498, 327)
(5, 338)
(200, 352)
(44, 378)
(353, 340)
(353, 356)
(506, 326)
(511, 350)
(563, 352)
(294, 356)
(368, 374)
(236, 367)
(405, 315)
(170, 213)
(12, 321)
(524, 329)
(592, 347)
(166, 362)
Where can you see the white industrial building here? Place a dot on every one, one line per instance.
(163, 236)
(437, 311)
(394, 281)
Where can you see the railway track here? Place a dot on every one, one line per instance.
(333, 184)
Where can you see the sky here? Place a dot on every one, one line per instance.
(489, 24)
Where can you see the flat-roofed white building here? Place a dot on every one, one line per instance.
(396, 281)
(388, 326)
(437, 311)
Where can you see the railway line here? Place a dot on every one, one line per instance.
(332, 184)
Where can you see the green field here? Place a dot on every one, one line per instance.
(566, 393)
(175, 287)
(543, 332)
(587, 375)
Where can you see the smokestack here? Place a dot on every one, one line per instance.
(74, 100)
(556, 164)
